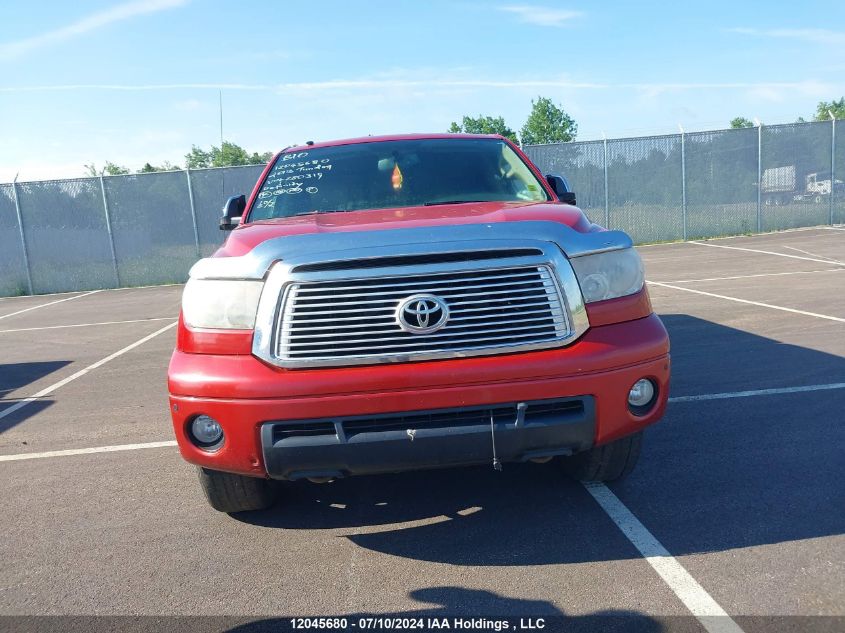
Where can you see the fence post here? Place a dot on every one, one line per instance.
(23, 237)
(606, 189)
(832, 163)
(683, 179)
(759, 176)
(193, 211)
(111, 235)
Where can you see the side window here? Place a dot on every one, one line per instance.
(522, 182)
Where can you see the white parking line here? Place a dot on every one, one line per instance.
(753, 303)
(58, 327)
(794, 272)
(86, 451)
(757, 392)
(48, 390)
(44, 305)
(798, 250)
(757, 250)
(700, 603)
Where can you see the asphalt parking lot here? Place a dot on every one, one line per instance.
(741, 487)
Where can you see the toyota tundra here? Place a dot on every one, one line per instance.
(395, 303)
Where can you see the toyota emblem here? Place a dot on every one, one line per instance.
(422, 314)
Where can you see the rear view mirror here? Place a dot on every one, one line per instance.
(233, 212)
(561, 188)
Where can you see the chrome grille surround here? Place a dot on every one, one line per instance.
(347, 316)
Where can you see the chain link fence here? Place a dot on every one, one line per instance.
(145, 229)
(707, 184)
(112, 231)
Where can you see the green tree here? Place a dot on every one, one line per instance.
(166, 166)
(263, 157)
(197, 158)
(824, 109)
(483, 125)
(547, 123)
(109, 169)
(227, 155)
(741, 122)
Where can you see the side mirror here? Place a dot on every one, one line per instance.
(561, 188)
(233, 212)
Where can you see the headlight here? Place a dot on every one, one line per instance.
(214, 303)
(609, 275)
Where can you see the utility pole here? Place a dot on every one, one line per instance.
(759, 125)
(683, 179)
(832, 163)
(606, 189)
(220, 102)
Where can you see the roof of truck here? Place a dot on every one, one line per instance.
(387, 137)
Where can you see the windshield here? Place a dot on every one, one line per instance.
(388, 174)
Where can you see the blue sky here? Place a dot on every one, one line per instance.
(89, 81)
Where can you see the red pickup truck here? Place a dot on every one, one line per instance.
(396, 303)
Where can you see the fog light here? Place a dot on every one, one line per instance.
(206, 432)
(641, 395)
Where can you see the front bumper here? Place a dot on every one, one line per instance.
(359, 445)
(244, 394)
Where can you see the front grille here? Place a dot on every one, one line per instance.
(333, 322)
(532, 412)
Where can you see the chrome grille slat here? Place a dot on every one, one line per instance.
(309, 287)
(517, 287)
(558, 318)
(456, 298)
(337, 321)
(411, 338)
(392, 308)
(388, 319)
(306, 290)
(376, 350)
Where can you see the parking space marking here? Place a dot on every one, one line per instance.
(798, 250)
(757, 392)
(757, 250)
(700, 603)
(44, 305)
(87, 451)
(48, 390)
(58, 327)
(794, 272)
(753, 303)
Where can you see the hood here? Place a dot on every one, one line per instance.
(244, 238)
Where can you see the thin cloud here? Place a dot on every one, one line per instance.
(815, 36)
(92, 22)
(390, 84)
(541, 16)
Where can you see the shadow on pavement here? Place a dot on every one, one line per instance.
(713, 476)
(13, 376)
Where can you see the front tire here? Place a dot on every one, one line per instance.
(608, 462)
(235, 493)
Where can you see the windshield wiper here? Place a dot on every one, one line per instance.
(306, 213)
(434, 204)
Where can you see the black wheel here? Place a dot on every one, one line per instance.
(608, 462)
(235, 493)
